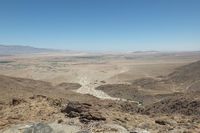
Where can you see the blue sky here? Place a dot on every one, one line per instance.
(102, 25)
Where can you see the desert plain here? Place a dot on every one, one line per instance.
(104, 80)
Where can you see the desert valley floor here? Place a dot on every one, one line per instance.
(133, 90)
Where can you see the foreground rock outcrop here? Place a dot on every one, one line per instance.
(30, 128)
(42, 128)
(84, 111)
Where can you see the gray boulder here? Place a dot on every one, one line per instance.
(30, 128)
(61, 132)
(18, 128)
(39, 128)
(63, 128)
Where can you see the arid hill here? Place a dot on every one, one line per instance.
(13, 87)
(32, 100)
(186, 74)
(151, 90)
(127, 92)
(187, 104)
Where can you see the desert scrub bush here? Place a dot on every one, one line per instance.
(125, 118)
(146, 125)
(194, 119)
(140, 102)
(187, 132)
(181, 121)
(183, 117)
(6, 62)
(60, 121)
(123, 125)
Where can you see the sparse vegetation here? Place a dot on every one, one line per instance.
(140, 102)
(125, 118)
(3, 62)
(60, 121)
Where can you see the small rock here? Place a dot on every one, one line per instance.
(92, 115)
(72, 106)
(161, 122)
(141, 131)
(16, 101)
(84, 120)
(103, 81)
(82, 132)
(73, 114)
(169, 129)
(2, 123)
(96, 115)
(1, 107)
(60, 132)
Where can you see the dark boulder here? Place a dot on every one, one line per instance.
(73, 106)
(161, 122)
(85, 111)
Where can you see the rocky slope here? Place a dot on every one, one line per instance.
(151, 90)
(28, 101)
(186, 74)
(127, 92)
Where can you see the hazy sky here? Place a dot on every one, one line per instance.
(101, 25)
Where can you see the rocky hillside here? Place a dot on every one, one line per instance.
(31, 101)
(126, 92)
(174, 110)
(186, 74)
(148, 90)
(14, 87)
(189, 104)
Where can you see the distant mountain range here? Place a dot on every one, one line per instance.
(18, 49)
(145, 52)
